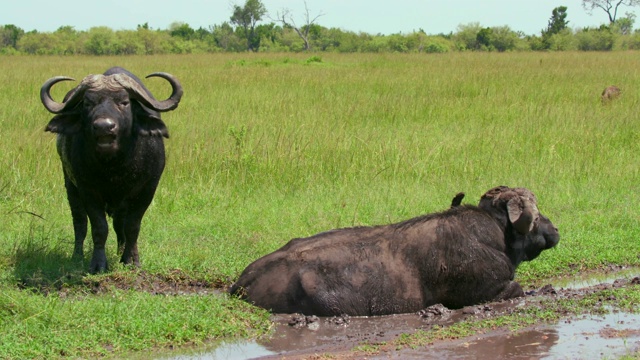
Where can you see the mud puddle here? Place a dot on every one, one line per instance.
(592, 337)
(608, 277)
(574, 337)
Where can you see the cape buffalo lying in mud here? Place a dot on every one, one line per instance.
(463, 256)
(110, 144)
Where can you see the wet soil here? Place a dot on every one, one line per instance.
(310, 337)
(327, 338)
(175, 282)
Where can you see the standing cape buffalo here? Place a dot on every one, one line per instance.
(463, 256)
(110, 144)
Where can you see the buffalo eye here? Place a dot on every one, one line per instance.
(124, 103)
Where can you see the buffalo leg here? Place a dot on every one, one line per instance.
(131, 223)
(131, 232)
(79, 215)
(99, 233)
(118, 226)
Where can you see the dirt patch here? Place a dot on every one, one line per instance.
(175, 282)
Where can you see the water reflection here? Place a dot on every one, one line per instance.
(588, 338)
(579, 282)
(226, 351)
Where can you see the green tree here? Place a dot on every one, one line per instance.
(600, 39)
(505, 39)
(181, 30)
(129, 43)
(101, 41)
(557, 23)
(562, 41)
(610, 7)
(68, 42)
(624, 25)
(225, 38)
(466, 38)
(35, 43)
(246, 18)
(484, 39)
(9, 35)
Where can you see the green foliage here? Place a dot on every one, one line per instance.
(314, 59)
(101, 41)
(246, 18)
(467, 36)
(182, 30)
(180, 38)
(437, 44)
(601, 39)
(558, 21)
(562, 41)
(9, 35)
(484, 39)
(557, 25)
(624, 25)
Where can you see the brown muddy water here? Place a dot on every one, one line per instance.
(578, 337)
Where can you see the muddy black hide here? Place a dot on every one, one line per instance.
(463, 256)
(110, 142)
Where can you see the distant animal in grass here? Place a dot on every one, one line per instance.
(610, 92)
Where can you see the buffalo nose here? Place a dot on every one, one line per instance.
(104, 125)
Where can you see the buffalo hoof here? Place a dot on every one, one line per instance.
(130, 260)
(77, 256)
(98, 263)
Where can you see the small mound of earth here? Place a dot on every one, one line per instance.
(313, 322)
(437, 310)
(175, 282)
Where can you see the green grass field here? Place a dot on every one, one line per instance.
(268, 147)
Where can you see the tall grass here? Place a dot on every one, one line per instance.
(265, 148)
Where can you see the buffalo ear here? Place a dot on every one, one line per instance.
(521, 214)
(151, 125)
(64, 124)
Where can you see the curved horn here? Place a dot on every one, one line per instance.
(45, 95)
(176, 91)
(139, 93)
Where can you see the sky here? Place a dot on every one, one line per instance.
(369, 16)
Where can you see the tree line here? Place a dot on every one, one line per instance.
(243, 33)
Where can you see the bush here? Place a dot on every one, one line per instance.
(437, 45)
(562, 41)
(314, 59)
(595, 39)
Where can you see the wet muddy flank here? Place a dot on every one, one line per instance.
(610, 333)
